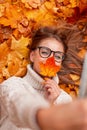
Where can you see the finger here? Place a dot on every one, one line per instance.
(53, 86)
(51, 82)
(53, 89)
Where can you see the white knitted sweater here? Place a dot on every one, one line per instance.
(20, 98)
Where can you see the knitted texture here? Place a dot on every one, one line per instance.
(22, 98)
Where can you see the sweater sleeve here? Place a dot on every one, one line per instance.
(63, 98)
(21, 105)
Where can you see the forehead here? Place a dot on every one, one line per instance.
(53, 44)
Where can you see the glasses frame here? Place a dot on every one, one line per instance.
(51, 51)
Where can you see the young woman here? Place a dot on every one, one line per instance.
(46, 45)
(27, 102)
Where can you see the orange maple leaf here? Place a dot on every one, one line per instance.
(49, 69)
(12, 15)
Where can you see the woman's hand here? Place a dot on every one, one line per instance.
(52, 90)
(70, 116)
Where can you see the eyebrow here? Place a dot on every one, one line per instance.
(51, 50)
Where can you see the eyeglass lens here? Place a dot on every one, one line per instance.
(45, 52)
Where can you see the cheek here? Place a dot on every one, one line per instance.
(58, 64)
(36, 67)
(36, 64)
(34, 57)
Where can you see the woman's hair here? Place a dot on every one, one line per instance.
(43, 33)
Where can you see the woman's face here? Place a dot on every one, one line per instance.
(46, 49)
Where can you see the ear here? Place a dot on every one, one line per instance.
(32, 56)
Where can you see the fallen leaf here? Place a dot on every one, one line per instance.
(12, 15)
(21, 46)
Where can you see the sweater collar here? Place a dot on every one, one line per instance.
(35, 80)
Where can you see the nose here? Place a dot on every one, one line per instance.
(52, 54)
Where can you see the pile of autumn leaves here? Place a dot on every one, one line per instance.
(19, 18)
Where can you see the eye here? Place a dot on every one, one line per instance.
(58, 57)
(44, 52)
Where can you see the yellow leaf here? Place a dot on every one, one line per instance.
(74, 3)
(4, 50)
(2, 8)
(21, 46)
(11, 16)
(74, 77)
(16, 66)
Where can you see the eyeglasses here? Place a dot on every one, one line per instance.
(45, 52)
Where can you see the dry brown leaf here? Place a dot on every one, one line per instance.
(4, 50)
(32, 3)
(74, 77)
(16, 34)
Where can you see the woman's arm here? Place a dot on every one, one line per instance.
(27, 110)
(71, 116)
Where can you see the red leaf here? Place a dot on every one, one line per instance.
(49, 69)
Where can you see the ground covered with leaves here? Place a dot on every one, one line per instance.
(19, 19)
